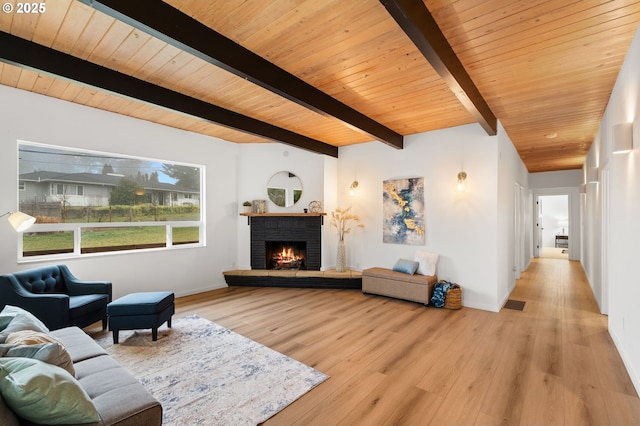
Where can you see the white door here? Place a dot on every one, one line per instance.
(539, 228)
(516, 232)
(604, 184)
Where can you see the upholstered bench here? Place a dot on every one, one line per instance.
(386, 282)
(141, 310)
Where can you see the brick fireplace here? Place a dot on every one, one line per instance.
(289, 242)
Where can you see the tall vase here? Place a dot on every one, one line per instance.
(341, 260)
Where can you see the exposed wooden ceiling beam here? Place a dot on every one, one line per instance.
(417, 22)
(26, 54)
(170, 25)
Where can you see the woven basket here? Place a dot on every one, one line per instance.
(453, 300)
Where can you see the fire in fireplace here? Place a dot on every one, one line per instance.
(286, 255)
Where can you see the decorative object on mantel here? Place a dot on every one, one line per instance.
(340, 219)
(247, 206)
(403, 211)
(315, 207)
(259, 206)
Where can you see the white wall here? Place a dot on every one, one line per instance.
(592, 225)
(617, 234)
(37, 118)
(460, 227)
(565, 178)
(330, 201)
(512, 232)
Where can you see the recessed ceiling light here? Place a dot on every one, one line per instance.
(550, 135)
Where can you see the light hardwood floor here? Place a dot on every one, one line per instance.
(396, 362)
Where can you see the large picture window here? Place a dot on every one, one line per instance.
(88, 202)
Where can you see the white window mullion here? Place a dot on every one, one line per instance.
(20, 245)
(77, 240)
(169, 236)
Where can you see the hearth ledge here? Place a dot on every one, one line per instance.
(331, 273)
(305, 279)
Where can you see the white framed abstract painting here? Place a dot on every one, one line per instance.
(403, 211)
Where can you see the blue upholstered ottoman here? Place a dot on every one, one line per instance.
(141, 310)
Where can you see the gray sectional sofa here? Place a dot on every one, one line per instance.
(118, 397)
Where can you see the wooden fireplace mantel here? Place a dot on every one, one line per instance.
(250, 215)
(282, 214)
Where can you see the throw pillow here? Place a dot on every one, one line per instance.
(40, 346)
(428, 262)
(44, 394)
(406, 266)
(18, 319)
(29, 337)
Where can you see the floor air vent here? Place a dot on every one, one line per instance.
(516, 305)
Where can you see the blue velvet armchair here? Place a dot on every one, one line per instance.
(56, 297)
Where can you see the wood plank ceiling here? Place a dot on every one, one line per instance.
(541, 66)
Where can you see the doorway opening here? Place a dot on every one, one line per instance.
(553, 226)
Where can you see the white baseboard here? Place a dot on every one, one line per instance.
(635, 379)
(200, 290)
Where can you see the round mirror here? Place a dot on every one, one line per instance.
(284, 189)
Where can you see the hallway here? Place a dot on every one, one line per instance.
(574, 367)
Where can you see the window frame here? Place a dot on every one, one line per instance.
(78, 227)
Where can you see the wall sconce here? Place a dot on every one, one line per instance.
(462, 181)
(353, 187)
(622, 138)
(592, 175)
(20, 221)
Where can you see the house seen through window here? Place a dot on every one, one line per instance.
(89, 202)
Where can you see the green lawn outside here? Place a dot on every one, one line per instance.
(107, 237)
(47, 241)
(186, 234)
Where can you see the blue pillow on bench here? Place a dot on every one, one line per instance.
(406, 266)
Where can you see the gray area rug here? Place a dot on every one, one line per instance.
(205, 374)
